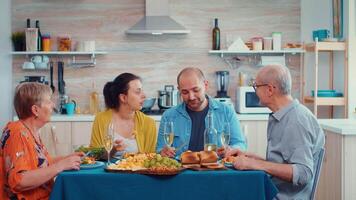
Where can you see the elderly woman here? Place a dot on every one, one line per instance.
(133, 130)
(26, 168)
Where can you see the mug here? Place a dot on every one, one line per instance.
(70, 107)
(45, 59)
(28, 65)
(36, 59)
(41, 65)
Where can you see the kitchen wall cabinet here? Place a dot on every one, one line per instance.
(56, 136)
(60, 138)
(338, 175)
(256, 136)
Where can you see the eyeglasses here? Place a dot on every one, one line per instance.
(255, 86)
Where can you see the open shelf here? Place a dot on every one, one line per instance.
(283, 51)
(326, 101)
(58, 53)
(326, 46)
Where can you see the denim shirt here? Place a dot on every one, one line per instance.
(183, 126)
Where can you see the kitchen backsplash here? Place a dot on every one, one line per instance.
(157, 59)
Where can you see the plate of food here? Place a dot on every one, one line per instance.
(90, 163)
(148, 163)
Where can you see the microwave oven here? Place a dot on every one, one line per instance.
(247, 101)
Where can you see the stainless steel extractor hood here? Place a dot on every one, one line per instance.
(157, 20)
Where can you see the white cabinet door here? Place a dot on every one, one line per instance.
(256, 136)
(56, 136)
(81, 133)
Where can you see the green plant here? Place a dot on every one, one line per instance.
(19, 40)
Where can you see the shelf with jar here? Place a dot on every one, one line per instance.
(283, 51)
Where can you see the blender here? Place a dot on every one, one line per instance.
(222, 80)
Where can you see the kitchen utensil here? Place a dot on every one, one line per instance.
(61, 83)
(148, 104)
(40, 79)
(168, 97)
(51, 76)
(222, 80)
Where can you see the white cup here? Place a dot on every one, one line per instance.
(45, 59)
(41, 65)
(36, 59)
(28, 65)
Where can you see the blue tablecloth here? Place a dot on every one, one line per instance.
(205, 185)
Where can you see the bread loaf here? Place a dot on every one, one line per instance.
(208, 157)
(189, 157)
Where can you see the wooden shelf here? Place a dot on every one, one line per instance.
(326, 46)
(326, 101)
(283, 51)
(58, 53)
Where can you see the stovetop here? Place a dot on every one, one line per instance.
(153, 112)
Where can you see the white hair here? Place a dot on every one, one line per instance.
(278, 75)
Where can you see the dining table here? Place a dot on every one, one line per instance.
(188, 184)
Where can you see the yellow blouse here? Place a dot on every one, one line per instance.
(145, 131)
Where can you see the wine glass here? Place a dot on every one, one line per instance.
(109, 140)
(225, 135)
(168, 134)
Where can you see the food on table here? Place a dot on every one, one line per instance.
(146, 161)
(88, 160)
(190, 157)
(208, 157)
(95, 152)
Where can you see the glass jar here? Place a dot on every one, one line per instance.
(46, 42)
(267, 43)
(257, 43)
(64, 43)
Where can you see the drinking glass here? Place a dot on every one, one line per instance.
(168, 134)
(109, 140)
(225, 135)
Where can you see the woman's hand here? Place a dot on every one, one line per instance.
(119, 145)
(69, 162)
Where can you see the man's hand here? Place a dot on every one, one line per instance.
(168, 151)
(234, 152)
(244, 163)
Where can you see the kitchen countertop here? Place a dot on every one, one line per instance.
(90, 118)
(340, 126)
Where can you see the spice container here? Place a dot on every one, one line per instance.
(267, 43)
(46, 42)
(277, 41)
(64, 43)
(257, 43)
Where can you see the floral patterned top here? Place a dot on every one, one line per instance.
(19, 152)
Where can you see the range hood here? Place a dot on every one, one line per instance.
(157, 20)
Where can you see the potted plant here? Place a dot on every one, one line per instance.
(19, 41)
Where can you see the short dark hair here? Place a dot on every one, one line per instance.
(195, 70)
(120, 85)
(28, 94)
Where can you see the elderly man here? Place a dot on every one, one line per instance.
(294, 137)
(190, 117)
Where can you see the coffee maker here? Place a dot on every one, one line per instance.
(222, 80)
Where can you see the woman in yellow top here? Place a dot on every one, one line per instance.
(134, 131)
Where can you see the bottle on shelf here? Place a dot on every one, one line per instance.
(93, 100)
(28, 23)
(39, 36)
(216, 36)
(210, 135)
